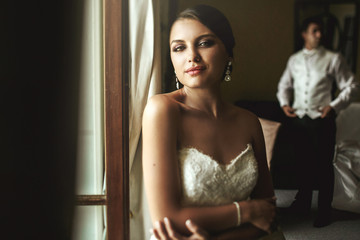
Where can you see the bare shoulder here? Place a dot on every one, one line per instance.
(159, 102)
(244, 116)
(161, 106)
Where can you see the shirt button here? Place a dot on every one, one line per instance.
(305, 101)
(306, 92)
(306, 109)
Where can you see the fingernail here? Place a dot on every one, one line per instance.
(166, 219)
(151, 230)
(188, 222)
(157, 223)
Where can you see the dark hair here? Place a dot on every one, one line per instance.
(307, 21)
(213, 19)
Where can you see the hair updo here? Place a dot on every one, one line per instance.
(213, 19)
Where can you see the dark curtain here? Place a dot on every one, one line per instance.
(39, 78)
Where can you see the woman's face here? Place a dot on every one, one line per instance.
(198, 55)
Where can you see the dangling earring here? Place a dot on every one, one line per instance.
(177, 81)
(227, 73)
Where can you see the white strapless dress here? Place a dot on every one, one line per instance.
(205, 182)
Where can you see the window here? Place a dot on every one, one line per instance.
(115, 132)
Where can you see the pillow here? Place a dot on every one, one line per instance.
(347, 176)
(270, 130)
(347, 123)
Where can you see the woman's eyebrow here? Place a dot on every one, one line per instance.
(199, 37)
(177, 41)
(206, 35)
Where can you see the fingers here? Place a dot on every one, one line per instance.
(165, 231)
(155, 232)
(265, 212)
(326, 111)
(160, 231)
(193, 228)
(170, 230)
(289, 111)
(196, 230)
(291, 114)
(267, 223)
(273, 200)
(263, 225)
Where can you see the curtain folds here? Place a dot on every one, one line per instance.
(145, 81)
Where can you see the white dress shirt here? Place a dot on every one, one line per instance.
(308, 80)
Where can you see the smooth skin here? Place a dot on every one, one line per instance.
(312, 37)
(166, 229)
(197, 116)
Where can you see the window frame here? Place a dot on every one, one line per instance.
(116, 87)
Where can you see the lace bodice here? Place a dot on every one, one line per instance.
(205, 182)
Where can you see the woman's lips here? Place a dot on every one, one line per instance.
(193, 71)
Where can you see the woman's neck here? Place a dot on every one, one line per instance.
(207, 100)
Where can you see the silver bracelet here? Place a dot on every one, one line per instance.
(238, 213)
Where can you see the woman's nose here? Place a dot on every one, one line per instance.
(193, 56)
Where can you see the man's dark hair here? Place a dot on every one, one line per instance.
(306, 22)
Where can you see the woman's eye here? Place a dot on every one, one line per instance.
(207, 43)
(178, 48)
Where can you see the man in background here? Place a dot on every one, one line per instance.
(306, 95)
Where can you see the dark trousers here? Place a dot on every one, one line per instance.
(314, 141)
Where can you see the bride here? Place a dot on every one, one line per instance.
(204, 159)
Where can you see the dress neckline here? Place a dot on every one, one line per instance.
(232, 162)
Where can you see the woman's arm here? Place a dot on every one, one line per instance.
(162, 176)
(165, 230)
(264, 187)
(265, 210)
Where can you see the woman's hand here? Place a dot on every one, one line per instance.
(165, 231)
(263, 213)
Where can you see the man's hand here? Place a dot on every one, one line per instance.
(327, 111)
(289, 111)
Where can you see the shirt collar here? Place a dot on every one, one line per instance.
(312, 51)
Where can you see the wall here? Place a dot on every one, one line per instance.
(264, 33)
(264, 40)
